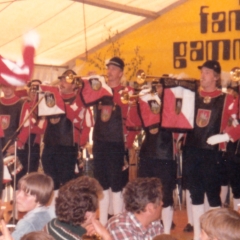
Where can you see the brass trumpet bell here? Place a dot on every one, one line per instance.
(142, 77)
(235, 74)
(73, 79)
(125, 98)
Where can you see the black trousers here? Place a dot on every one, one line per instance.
(29, 158)
(202, 169)
(59, 163)
(108, 160)
(231, 166)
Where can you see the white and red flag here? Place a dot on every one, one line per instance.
(178, 103)
(19, 73)
(51, 101)
(94, 89)
(150, 106)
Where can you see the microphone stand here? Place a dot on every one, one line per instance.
(14, 181)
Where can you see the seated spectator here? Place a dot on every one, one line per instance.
(220, 224)
(34, 192)
(76, 207)
(143, 203)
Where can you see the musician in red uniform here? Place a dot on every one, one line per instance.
(60, 150)
(157, 158)
(230, 164)
(17, 74)
(110, 140)
(213, 110)
(31, 135)
(13, 112)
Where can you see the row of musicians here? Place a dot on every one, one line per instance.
(208, 114)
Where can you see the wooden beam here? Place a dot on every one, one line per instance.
(120, 8)
(171, 7)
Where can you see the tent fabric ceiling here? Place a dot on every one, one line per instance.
(68, 27)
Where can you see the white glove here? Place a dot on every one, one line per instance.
(218, 138)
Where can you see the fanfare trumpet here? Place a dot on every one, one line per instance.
(235, 74)
(74, 79)
(128, 98)
(153, 87)
(79, 79)
(142, 77)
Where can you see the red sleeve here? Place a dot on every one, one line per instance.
(24, 123)
(130, 138)
(1, 132)
(40, 127)
(87, 123)
(133, 124)
(70, 113)
(233, 132)
(230, 108)
(82, 119)
(29, 125)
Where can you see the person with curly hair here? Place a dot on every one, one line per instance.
(143, 203)
(76, 207)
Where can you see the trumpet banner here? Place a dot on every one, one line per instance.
(51, 103)
(94, 89)
(150, 106)
(178, 104)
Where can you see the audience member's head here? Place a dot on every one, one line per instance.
(164, 237)
(76, 198)
(37, 236)
(34, 185)
(141, 191)
(220, 224)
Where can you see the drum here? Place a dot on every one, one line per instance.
(8, 170)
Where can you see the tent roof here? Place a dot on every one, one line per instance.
(68, 28)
